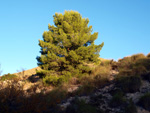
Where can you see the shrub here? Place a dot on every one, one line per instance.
(101, 71)
(146, 76)
(144, 101)
(98, 76)
(125, 63)
(148, 55)
(80, 106)
(143, 62)
(134, 70)
(56, 96)
(139, 70)
(55, 80)
(128, 65)
(117, 100)
(13, 99)
(116, 91)
(130, 108)
(125, 72)
(8, 77)
(129, 84)
(85, 89)
(100, 81)
(106, 62)
(85, 79)
(137, 57)
(73, 81)
(43, 103)
(10, 98)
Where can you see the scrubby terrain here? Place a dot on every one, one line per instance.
(111, 87)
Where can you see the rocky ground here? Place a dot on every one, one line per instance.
(101, 99)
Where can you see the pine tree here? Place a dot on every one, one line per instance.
(68, 46)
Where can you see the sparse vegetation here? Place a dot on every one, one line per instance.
(8, 77)
(130, 108)
(84, 89)
(117, 100)
(56, 96)
(13, 99)
(80, 106)
(135, 65)
(145, 101)
(143, 62)
(136, 57)
(102, 71)
(127, 81)
(129, 84)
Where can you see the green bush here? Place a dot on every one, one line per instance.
(136, 64)
(134, 70)
(85, 79)
(125, 63)
(125, 72)
(116, 91)
(80, 106)
(101, 73)
(128, 84)
(130, 108)
(143, 62)
(99, 76)
(55, 80)
(139, 70)
(8, 77)
(56, 96)
(85, 89)
(144, 101)
(137, 57)
(117, 100)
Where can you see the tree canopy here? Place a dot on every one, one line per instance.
(67, 46)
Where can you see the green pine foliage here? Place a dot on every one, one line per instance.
(68, 46)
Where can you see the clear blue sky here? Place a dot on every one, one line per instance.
(123, 26)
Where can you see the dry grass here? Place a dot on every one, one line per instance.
(27, 73)
(137, 64)
(13, 99)
(101, 71)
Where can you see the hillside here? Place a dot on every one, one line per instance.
(28, 72)
(112, 87)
